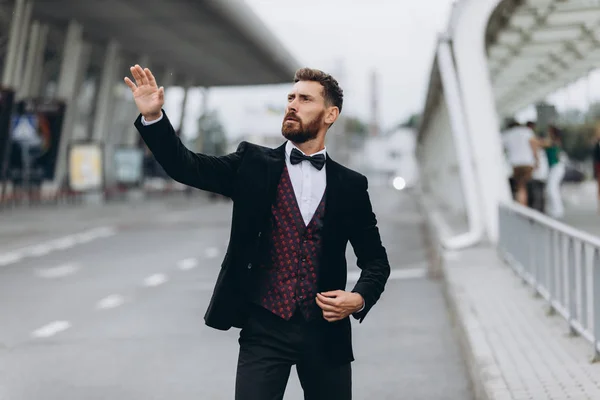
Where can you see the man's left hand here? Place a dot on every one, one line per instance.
(338, 304)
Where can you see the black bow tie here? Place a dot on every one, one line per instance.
(317, 161)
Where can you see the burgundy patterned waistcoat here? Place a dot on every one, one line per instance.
(288, 277)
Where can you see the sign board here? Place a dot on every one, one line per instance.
(129, 165)
(36, 126)
(85, 167)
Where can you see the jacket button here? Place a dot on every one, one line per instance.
(250, 266)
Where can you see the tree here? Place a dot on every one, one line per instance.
(356, 126)
(413, 121)
(578, 129)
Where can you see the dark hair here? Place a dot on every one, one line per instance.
(554, 131)
(513, 124)
(332, 92)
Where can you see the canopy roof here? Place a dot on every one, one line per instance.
(538, 46)
(214, 42)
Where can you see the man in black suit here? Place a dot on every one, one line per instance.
(283, 277)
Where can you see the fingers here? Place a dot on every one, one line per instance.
(139, 75)
(150, 77)
(130, 84)
(332, 316)
(136, 75)
(327, 300)
(142, 73)
(324, 306)
(161, 94)
(333, 293)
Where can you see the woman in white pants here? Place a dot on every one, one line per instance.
(553, 147)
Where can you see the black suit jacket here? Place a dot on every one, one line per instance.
(250, 177)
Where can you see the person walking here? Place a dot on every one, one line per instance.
(553, 146)
(283, 277)
(521, 146)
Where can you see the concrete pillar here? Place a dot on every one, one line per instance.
(10, 63)
(23, 38)
(184, 103)
(39, 62)
(105, 92)
(71, 55)
(480, 108)
(76, 55)
(34, 38)
(74, 110)
(104, 107)
(33, 61)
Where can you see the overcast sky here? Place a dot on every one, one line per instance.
(395, 38)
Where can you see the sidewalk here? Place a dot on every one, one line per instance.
(513, 348)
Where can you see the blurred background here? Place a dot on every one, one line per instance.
(107, 264)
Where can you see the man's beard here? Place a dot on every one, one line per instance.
(298, 132)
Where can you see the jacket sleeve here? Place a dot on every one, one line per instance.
(211, 173)
(371, 256)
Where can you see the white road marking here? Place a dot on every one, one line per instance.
(404, 273)
(104, 231)
(112, 301)
(10, 258)
(62, 243)
(39, 250)
(57, 272)
(51, 329)
(187, 264)
(211, 252)
(155, 280)
(95, 233)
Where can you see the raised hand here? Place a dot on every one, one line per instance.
(149, 98)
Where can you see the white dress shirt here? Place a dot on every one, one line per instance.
(145, 123)
(308, 182)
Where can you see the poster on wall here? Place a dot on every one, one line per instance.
(85, 167)
(129, 165)
(35, 139)
(6, 107)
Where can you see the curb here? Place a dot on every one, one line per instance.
(458, 320)
(439, 270)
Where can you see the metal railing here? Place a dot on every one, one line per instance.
(561, 263)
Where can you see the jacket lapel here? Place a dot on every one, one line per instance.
(275, 163)
(332, 191)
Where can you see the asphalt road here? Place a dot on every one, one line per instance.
(114, 310)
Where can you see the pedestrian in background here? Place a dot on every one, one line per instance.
(554, 153)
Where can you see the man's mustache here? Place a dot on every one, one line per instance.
(293, 117)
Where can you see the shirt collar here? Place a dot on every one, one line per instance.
(289, 146)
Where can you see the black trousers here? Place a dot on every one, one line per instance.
(269, 346)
